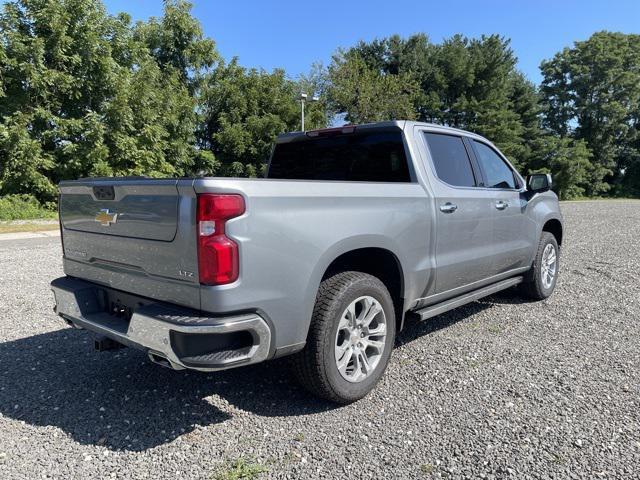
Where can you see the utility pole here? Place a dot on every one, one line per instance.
(303, 99)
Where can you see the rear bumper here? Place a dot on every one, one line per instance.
(173, 336)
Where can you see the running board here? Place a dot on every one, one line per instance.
(438, 308)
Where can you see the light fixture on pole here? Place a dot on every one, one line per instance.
(303, 99)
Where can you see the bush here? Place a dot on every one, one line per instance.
(24, 207)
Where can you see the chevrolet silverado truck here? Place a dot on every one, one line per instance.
(352, 230)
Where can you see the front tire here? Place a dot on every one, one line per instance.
(541, 279)
(350, 338)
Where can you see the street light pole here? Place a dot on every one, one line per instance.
(303, 99)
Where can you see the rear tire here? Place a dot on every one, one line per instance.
(343, 358)
(541, 280)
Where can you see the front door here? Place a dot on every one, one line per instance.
(512, 239)
(464, 215)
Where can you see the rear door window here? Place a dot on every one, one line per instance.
(498, 174)
(450, 159)
(374, 156)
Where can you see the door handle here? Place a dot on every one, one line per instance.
(500, 205)
(448, 207)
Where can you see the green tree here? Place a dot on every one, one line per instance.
(465, 83)
(364, 94)
(567, 160)
(243, 110)
(592, 92)
(525, 103)
(316, 83)
(86, 93)
(177, 42)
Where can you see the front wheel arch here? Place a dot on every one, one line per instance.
(554, 227)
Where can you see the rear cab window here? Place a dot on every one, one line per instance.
(450, 159)
(368, 156)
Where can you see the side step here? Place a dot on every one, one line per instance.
(438, 308)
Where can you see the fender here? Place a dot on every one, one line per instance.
(341, 247)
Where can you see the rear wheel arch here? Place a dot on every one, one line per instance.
(379, 262)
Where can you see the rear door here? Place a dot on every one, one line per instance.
(512, 239)
(464, 214)
(132, 234)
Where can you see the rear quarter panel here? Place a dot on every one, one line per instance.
(293, 230)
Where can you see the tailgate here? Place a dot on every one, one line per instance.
(132, 234)
(122, 208)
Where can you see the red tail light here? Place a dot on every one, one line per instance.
(218, 261)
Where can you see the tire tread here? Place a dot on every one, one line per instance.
(308, 365)
(532, 286)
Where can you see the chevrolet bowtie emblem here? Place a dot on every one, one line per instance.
(105, 218)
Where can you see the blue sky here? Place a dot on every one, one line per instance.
(293, 35)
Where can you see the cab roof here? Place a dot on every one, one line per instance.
(391, 124)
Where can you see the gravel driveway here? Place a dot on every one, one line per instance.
(499, 388)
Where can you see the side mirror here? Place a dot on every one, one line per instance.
(539, 182)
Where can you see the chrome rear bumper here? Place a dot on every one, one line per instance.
(172, 336)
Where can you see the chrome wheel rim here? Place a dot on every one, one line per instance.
(549, 265)
(360, 339)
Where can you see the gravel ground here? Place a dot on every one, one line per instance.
(499, 388)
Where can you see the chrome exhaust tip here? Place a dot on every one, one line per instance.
(160, 359)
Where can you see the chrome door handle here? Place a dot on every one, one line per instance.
(448, 207)
(500, 205)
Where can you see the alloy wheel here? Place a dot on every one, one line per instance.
(360, 339)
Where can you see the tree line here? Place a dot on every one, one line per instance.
(86, 93)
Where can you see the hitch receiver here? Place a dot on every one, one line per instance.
(102, 344)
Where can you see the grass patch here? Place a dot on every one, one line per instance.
(495, 329)
(427, 468)
(23, 207)
(555, 458)
(473, 363)
(240, 469)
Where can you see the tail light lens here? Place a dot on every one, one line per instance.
(218, 260)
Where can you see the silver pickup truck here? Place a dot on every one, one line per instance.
(354, 229)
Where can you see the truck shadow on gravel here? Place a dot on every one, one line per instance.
(415, 329)
(120, 401)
